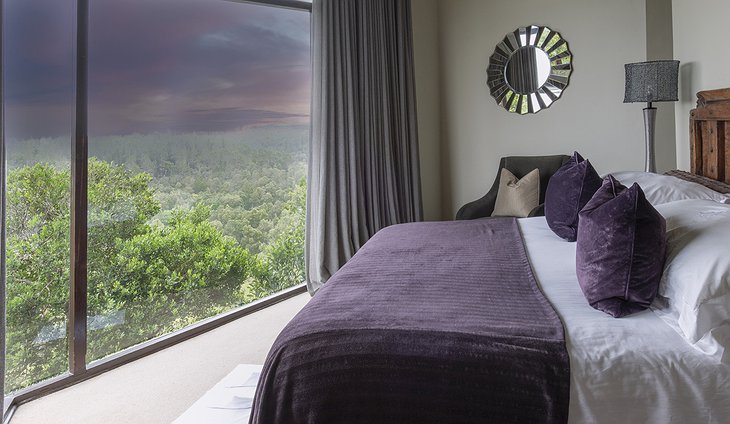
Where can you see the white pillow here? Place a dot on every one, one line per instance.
(694, 293)
(660, 189)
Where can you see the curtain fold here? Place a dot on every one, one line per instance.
(363, 158)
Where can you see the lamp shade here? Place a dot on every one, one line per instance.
(654, 81)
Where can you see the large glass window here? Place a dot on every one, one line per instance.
(198, 122)
(39, 120)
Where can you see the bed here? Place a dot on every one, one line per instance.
(459, 322)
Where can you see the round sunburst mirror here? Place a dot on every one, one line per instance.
(529, 69)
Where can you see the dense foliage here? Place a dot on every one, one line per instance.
(180, 228)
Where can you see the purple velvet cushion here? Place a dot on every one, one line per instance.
(620, 249)
(568, 190)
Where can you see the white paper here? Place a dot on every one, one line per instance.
(233, 402)
(251, 381)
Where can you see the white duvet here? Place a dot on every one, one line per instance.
(635, 369)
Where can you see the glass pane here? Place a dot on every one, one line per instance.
(39, 120)
(199, 120)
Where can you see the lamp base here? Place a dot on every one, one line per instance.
(649, 123)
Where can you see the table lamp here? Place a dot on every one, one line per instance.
(654, 81)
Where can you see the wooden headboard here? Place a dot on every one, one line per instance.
(709, 135)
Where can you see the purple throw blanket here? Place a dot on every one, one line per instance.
(437, 322)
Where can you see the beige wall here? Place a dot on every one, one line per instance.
(590, 117)
(658, 47)
(425, 53)
(700, 43)
(462, 131)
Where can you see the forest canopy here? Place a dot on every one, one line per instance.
(181, 227)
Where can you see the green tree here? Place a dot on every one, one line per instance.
(37, 269)
(120, 204)
(177, 232)
(282, 261)
(169, 276)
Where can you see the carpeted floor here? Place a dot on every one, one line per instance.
(159, 387)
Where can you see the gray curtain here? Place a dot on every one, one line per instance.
(363, 166)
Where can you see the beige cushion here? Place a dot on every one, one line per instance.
(517, 197)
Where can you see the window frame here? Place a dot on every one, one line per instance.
(77, 330)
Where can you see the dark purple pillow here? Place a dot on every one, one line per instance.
(568, 190)
(620, 249)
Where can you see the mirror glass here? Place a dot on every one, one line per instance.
(529, 69)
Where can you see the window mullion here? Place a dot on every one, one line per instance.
(77, 341)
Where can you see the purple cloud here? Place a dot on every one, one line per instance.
(162, 65)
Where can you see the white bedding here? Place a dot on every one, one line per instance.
(634, 369)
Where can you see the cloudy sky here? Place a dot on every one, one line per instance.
(156, 66)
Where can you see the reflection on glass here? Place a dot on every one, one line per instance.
(38, 37)
(543, 67)
(527, 70)
(199, 117)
